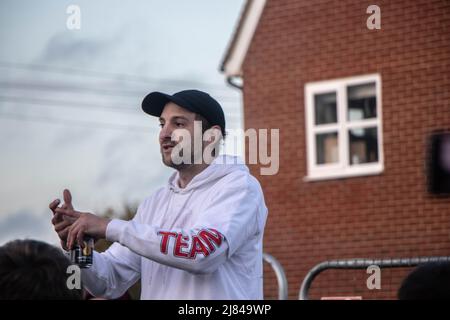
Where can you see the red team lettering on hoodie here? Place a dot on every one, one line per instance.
(204, 242)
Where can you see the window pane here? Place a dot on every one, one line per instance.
(325, 108)
(363, 145)
(327, 148)
(362, 102)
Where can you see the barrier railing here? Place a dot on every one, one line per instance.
(281, 276)
(358, 263)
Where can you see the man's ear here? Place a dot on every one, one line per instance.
(212, 138)
(213, 134)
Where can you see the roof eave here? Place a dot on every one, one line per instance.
(237, 50)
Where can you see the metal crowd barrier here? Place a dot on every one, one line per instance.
(281, 276)
(362, 264)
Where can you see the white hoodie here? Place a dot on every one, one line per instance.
(200, 242)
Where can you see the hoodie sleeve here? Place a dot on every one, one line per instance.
(112, 272)
(223, 227)
(237, 211)
(197, 250)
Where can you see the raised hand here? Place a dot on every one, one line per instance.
(85, 224)
(61, 222)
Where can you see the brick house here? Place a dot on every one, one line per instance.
(355, 107)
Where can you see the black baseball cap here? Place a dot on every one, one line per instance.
(193, 100)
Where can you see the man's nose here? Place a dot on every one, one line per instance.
(165, 133)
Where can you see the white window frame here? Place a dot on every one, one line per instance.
(342, 168)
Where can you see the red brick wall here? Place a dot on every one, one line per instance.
(382, 216)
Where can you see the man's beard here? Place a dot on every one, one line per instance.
(167, 159)
(179, 167)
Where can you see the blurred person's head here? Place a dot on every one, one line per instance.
(427, 281)
(31, 269)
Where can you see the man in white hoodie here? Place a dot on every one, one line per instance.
(198, 237)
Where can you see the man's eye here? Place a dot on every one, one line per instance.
(179, 124)
(161, 125)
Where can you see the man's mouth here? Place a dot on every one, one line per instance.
(167, 147)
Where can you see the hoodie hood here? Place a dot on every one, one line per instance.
(220, 167)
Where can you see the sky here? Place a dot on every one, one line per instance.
(70, 100)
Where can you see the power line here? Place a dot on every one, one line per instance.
(42, 86)
(81, 105)
(79, 123)
(74, 87)
(105, 75)
(62, 103)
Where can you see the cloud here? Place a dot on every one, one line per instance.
(26, 224)
(70, 49)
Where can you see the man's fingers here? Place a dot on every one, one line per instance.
(68, 212)
(64, 245)
(72, 234)
(80, 237)
(70, 219)
(63, 235)
(59, 217)
(55, 218)
(63, 219)
(68, 198)
(62, 225)
(70, 237)
(54, 204)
